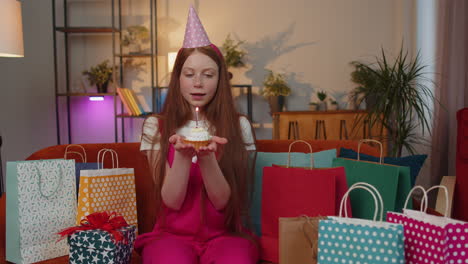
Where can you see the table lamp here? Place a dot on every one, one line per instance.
(11, 44)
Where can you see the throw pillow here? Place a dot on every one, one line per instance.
(414, 162)
(322, 159)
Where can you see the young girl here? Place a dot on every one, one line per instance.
(203, 194)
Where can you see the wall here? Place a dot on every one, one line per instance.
(27, 113)
(311, 41)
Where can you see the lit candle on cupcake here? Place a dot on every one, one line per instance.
(198, 136)
(196, 116)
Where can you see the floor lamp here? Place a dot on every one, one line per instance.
(11, 45)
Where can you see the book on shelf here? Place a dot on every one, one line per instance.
(125, 102)
(138, 104)
(132, 101)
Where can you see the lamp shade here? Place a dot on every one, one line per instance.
(11, 29)
(171, 57)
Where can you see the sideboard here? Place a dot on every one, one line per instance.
(330, 125)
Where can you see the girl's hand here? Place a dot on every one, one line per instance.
(212, 147)
(187, 150)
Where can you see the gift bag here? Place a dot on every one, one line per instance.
(429, 238)
(298, 237)
(350, 240)
(291, 192)
(340, 178)
(84, 165)
(392, 182)
(108, 190)
(40, 201)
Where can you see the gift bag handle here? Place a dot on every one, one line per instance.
(369, 140)
(425, 202)
(377, 199)
(411, 192)
(56, 187)
(83, 156)
(101, 155)
(311, 154)
(313, 245)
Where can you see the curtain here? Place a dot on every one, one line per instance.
(451, 84)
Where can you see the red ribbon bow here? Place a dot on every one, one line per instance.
(99, 220)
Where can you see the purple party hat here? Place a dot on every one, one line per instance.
(195, 34)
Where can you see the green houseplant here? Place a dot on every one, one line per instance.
(397, 95)
(275, 89)
(233, 54)
(322, 105)
(134, 36)
(100, 75)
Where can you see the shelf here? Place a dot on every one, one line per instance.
(131, 116)
(87, 29)
(136, 55)
(86, 94)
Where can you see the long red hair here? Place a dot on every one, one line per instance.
(223, 118)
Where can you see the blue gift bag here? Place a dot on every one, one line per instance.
(80, 166)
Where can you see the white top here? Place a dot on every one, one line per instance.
(150, 128)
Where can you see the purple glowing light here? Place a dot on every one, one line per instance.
(96, 98)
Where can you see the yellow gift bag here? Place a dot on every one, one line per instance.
(107, 190)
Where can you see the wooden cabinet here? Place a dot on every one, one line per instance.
(329, 125)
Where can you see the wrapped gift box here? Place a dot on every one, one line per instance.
(98, 246)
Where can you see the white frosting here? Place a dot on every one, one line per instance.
(198, 134)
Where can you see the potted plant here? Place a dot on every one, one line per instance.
(275, 89)
(233, 54)
(313, 106)
(397, 96)
(133, 37)
(322, 95)
(333, 105)
(100, 75)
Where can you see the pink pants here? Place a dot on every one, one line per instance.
(223, 249)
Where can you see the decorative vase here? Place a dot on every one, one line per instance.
(276, 103)
(102, 88)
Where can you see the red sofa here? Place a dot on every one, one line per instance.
(131, 157)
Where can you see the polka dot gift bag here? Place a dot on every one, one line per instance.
(107, 190)
(360, 241)
(429, 238)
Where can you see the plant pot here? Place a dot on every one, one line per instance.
(322, 106)
(313, 107)
(276, 103)
(102, 88)
(332, 107)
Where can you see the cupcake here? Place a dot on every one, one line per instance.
(198, 137)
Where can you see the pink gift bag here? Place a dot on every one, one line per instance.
(432, 239)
